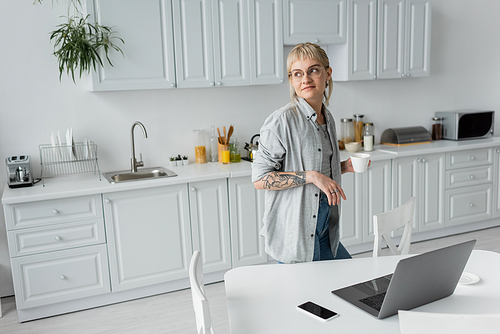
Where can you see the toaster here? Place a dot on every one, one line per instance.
(19, 172)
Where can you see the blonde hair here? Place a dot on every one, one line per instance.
(308, 51)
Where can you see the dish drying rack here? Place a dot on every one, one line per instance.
(68, 159)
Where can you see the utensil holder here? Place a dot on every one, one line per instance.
(220, 147)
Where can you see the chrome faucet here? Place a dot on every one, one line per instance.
(133, 161)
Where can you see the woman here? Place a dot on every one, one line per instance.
(298, 164)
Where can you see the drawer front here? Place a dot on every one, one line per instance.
(468, 205)
(55, 211)
(469, 158)
(55, 277)
(56, 237)
(469, 176)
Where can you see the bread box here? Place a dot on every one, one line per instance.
(405, 136)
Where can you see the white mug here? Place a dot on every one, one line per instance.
(360, 161)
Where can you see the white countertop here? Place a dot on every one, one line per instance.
(89, 184)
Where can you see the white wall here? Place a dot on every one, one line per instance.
(465, 73)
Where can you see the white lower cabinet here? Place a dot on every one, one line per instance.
(149, 236)
(208, 202)
(469, 186)
(246, 209)
(423, 177)
(496, 181)
(367, 194)
(55, 277)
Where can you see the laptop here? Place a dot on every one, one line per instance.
(416, 281)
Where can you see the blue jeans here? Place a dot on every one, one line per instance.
(322, 250)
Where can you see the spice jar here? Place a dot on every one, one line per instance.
(368, 137)
(437, 128)
(358, 127)
(346, 130)
(200, 150)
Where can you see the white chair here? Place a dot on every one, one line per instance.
(385, 223)
(412, 322)
(200, 302)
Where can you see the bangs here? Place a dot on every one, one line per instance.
(301, 52)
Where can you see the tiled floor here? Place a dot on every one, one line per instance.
(173, 312)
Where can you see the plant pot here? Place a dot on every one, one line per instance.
(173, 163)
(179, 162)
(185, 162)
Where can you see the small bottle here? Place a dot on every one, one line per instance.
(213, 145)
(234, 152)
(437, 128)
(369, 136)
(200, 151)
(358, 127)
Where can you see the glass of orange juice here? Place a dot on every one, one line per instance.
(225, 154)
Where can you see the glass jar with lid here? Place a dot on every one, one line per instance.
(346, 130)
(437, 128)
(368, 137)
(358, 127)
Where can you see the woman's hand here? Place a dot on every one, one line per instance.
(331, 188)
(346, 166)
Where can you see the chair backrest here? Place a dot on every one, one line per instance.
(200, 302)
(412, 322)
(385, 223)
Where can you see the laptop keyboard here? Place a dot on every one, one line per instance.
(374, 301)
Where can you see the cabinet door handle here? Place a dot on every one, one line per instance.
(472, 157)
(472, 176)
(106, 200)
(172, 85)
(471, 204)
(219, 83)
(402, 75)
(192, 189)
(62, 277)
(316, 41)
(57, 238)
(55, 212)
(419, 160)
(498, 151)
(423, 160)
(374, 76)
(212, 83)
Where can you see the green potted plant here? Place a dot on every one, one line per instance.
(79, 44)
(178, 159)
(173, 161)
(185, 160)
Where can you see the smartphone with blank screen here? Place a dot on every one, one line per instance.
(318, 311)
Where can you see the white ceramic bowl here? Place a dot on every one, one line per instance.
(353, 146)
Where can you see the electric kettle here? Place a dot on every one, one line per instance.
(252, 148)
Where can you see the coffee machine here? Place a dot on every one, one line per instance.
(19, 172)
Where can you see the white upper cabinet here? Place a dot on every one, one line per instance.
(317, 21)
(146, 28)
(386, 39)
(191, 43)
(228, 42)
(266, 42)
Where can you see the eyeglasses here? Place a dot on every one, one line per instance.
(313, 72)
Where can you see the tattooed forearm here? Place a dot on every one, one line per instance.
(277, 180)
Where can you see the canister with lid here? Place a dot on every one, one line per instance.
(437, 128)
(368, 137)
(346, 130)
(358, 127)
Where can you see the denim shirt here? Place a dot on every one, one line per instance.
(290, 142)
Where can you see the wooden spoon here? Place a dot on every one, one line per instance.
(230, 133)
(220, 138)
(225, 142)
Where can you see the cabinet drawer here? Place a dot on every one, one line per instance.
(468, 205)
(55, 277)
(55, 211)
(56, 237)
(469, 158)
(469, 176)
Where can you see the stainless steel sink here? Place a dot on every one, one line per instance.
(141, 174)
